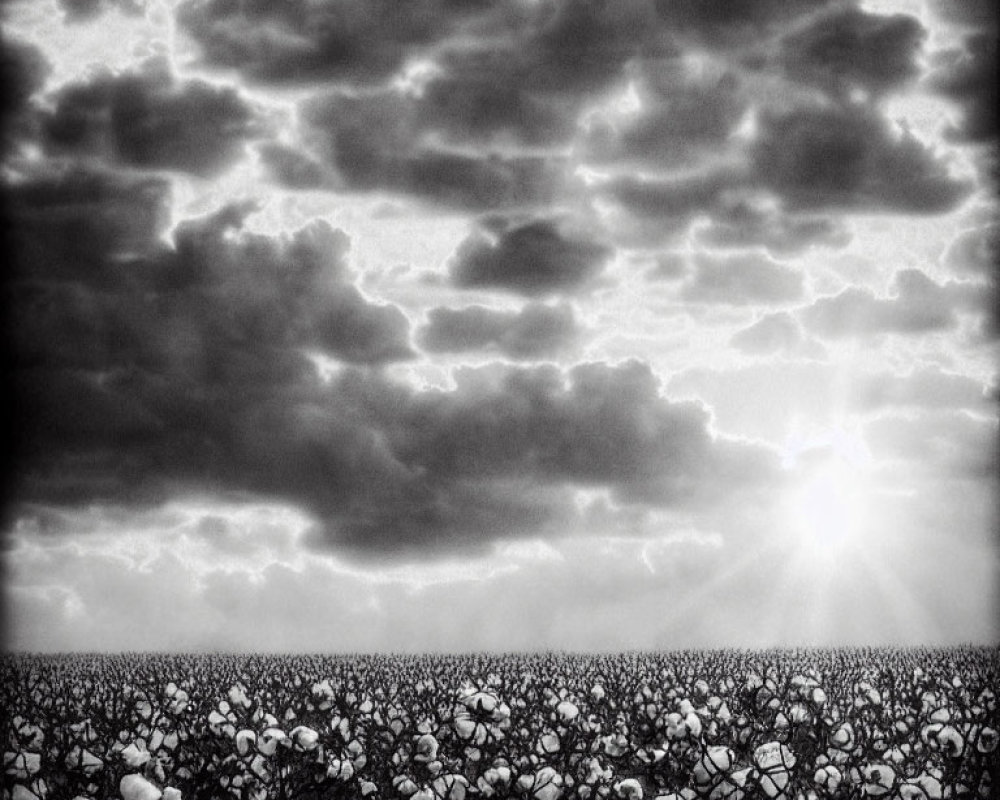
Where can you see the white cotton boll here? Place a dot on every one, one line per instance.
(773, 783)
(879, 779)
(843, 737)
(828, 778)
(426, 748)
(548, 784)
(465, 727)
(951, 741)
(216, 720)
(238, 696)
(675, 727)
(716, 760)
(567, 711)
(245, 740)
(268, 741)
(404, 785)
(22, 765)
(773, 755)
(135, 756)
(597, 693)
(548, 743)
(136, 787)
(629, 789)
(304, 738)
(170, 793)
(987, 740)
(923, 787)
(693, 723)
(450, 787)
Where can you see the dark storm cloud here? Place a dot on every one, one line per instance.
(917, 305)
(683, 117)
(741, 222)
(744, 278)
(548, 45)
(78, 227)
(661, 207)
(81, 10)
(531, 85)
(849, 159)
(118, 340)
(150, 120)
(969, 79)
(23, 70)
(535, 258)
(734, 24)
(975, 13)
(373, 141)
(293, 169)
(144, 370)
(297, 41)
(595, 425)
(851, 49)
(536, 330)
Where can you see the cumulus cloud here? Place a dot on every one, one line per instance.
(745, 278)
(918, 305)
(974, 252)
(149, 119)
(968, 78)
(371, 141)
(302, 42)
(848, 48)
(683, 117)
(23, 70)
(83, 10)
(537, 257)
(848, 158)
(729, 25)
(144, 370)
(536, 330)
(747, 221)
(772, 333)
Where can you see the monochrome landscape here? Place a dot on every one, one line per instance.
(501, 398)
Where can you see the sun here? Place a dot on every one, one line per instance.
(827, 507)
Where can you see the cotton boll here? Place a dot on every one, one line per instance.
(828, 777)
(567, 711)
(136, 787)
(135, 756)
(426, 748)
(629, 789)
(268, 741)
(245, 740)
(304, 738)
(879, 779)
(717, 760)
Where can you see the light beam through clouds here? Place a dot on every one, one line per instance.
(453, 326)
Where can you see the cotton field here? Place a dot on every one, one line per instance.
(722, 725)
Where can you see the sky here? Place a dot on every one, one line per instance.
(454, 325)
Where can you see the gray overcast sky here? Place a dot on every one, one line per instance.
(449, 325)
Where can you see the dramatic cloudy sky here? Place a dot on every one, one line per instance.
(465, 324)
